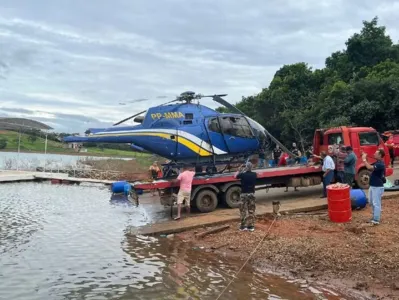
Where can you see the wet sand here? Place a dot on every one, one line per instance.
(358, 259)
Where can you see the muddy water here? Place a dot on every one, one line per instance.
(69, 242)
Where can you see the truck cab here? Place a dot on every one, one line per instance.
(362, 139)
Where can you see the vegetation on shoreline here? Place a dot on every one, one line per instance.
(36, 144)
(359, 85)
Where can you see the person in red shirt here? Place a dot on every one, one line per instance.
(283, 159)
(341, 154)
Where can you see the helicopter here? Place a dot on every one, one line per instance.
(185, 132)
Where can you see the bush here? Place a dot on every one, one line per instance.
(3, 143)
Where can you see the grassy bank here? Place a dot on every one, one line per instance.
(31, 145)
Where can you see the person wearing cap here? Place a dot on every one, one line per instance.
(341, 154)
(350, 166)
(247, 197)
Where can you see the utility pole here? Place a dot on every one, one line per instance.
(19, 147)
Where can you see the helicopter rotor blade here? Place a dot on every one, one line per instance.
(135, 115)
(127, 119)
(220, 100)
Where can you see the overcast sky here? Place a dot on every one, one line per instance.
(69, 63)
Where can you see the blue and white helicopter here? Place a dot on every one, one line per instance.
(188, 133)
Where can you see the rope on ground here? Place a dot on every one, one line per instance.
(250, 256)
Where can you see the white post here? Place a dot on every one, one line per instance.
(45, 152)
(45, 145)
(19, 148)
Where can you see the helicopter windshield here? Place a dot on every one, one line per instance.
(259, 130)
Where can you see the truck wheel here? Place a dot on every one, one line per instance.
(206, 201)
(232, 196)
(363, 179)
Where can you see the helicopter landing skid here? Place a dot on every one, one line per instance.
(171, 170)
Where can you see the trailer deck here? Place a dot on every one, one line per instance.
(229, 177)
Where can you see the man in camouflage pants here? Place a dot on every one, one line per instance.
(247, 205)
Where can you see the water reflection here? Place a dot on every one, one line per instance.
(69, 242)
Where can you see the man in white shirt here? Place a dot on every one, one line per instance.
(328, 169)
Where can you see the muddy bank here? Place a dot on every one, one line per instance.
(353, 256)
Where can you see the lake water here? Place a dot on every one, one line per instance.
(30, 161)
(69, 242)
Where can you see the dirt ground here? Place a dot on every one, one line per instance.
(351, 256)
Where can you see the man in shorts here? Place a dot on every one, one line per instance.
(186, 179)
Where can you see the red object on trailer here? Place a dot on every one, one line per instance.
(339, 203)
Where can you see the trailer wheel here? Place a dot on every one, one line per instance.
(206, 201)
(232, 196)
(363, 179)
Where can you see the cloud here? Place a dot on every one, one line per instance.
(79, 59)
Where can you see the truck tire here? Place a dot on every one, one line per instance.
(206, 201)
(232, 196)
(363, 179)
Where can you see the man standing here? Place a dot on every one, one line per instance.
(261, 163)
(276, 155)
(377, 180)
(340, 167)
(247, 205)
(328, 169)
(184, 195)
(350, 166)
(296, 152)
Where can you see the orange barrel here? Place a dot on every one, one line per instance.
(339, 203)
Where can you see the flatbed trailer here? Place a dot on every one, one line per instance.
(209, 190)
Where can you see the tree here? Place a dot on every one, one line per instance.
(3, 143)
(359, 86)
(32, 138)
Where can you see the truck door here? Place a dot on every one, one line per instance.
(237, 134)
(317, 141)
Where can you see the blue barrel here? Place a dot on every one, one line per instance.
(271, 163)
(358, 198)
(127, 188)
(118, 187)
(303, 160)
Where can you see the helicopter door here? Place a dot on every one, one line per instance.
(237, 134)
(215, 137)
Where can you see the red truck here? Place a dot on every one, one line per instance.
(209, 190)
(362, 139)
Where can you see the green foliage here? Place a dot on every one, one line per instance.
(32, 138)
(359, 86)
(12, 140)
(3, 143)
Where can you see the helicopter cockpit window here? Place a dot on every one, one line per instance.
(214, 125)
(236, 126)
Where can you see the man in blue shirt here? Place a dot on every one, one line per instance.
(377, 180)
